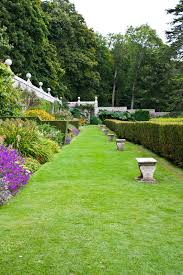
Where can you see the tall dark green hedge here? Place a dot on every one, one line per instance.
(165, 139)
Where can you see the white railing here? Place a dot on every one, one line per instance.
(28, 87)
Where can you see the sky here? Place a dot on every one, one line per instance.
(114, 16)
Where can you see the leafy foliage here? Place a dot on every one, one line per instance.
(26, 138)
(115, 115)
(175, 35)
(95, 120)
(10, 98)
(52, 41)
(51, 132)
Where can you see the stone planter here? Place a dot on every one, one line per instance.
(110, 137)
(120, 143)
(147, 168)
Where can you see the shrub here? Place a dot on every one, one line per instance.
(165, 139)
(95, 120)
(141, 115)
(72, 132)
(20, 134)
(43, 115)
(43, 150)
(82, 121)
(64, 115)
(10, 98)
(115, 115)
(76, 112)
(32, 164)
(51, 132)
(25, 136)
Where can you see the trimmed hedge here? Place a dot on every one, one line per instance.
(165, 139)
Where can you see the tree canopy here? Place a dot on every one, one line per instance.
(51, 40)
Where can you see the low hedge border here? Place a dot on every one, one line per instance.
(165, 139)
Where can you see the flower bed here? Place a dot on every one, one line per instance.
(14, 174)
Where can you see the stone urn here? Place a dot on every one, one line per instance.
(120, 144)
(110, 137)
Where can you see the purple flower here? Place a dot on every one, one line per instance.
(75, 131)
(12, 171)
(68, 140)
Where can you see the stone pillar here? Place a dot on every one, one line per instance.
(60, 105)
(79, 102)
(52, 108)
(96, 106)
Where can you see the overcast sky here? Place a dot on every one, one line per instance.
(114, 16)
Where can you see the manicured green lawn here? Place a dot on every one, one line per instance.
(84, 213)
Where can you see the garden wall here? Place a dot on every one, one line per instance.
(165, 139)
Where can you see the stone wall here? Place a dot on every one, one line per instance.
(113, 109)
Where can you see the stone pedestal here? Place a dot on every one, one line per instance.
(106, 131)
(147, 168)
(120, 144)
(110, 137)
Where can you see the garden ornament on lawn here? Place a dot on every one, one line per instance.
(120, 144)
(147, 168)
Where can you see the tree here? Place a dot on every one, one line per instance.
(4, 42)
(26, 28)
(76, 47)
(142, 63)
(175, 35)
(105, 69)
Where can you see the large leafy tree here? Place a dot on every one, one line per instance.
(175, 35)
(26, 27)
(105, 69)
(76, 47)
(143, 67)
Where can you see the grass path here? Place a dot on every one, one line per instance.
(84, 213)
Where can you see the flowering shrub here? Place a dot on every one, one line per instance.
(32, 164)
(72, 132)
(39, 113)
(51, 132)
(12, 170)
(27, 139)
